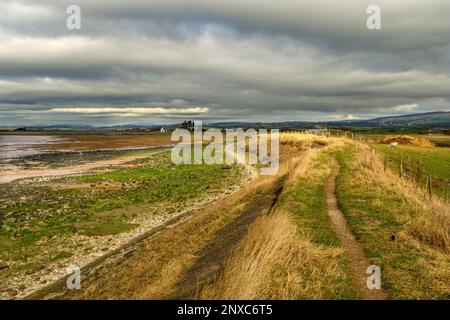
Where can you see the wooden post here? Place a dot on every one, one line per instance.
(430, 186)
(401, 167)
(419, 173)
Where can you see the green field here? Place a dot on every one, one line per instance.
(438, 140)
(434, 161)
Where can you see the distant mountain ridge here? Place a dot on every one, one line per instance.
(438, 119)
(428, 119)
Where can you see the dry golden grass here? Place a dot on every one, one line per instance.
(273, 262)
(429, 219)
(417, 264)
(310, 145)
(276, 259)
(295, 156)
(273, 244)
(304, 141)
(155, 268)
(269, 240)
(405, 139)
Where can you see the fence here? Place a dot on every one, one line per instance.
(406, 168)
(415, 171)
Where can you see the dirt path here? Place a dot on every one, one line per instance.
(354, 250)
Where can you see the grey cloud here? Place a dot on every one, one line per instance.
(249, 59)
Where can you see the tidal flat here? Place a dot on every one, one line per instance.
(62, 217)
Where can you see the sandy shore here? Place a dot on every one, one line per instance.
(88, 141)
(12, 173)
(74, 142)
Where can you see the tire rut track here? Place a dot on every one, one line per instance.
(216, 252)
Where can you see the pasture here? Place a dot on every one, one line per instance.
(420, 161)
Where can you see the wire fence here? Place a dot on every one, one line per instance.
(415, 171)
(406, 168)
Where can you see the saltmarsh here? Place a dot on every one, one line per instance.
(99, 203)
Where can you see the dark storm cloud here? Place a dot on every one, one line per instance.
(252, 59)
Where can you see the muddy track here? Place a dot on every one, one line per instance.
(355, 254)
(215, 253)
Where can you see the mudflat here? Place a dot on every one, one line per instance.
(74, 141)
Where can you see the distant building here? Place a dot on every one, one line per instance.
(162, 130)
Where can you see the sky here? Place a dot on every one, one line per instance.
(165, 61)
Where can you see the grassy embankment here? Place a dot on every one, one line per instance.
(291, 253)
(281, 255)
(420, 161)
(402, 231)
(305, 201)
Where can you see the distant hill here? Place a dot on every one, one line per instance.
(419, 120)
(268, 125)
(437, 120)
(429, 119)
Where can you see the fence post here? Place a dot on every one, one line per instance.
(430, 186)
(421, 172)
(401, 167)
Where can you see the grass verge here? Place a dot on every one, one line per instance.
(401, 231)
(291, 253)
